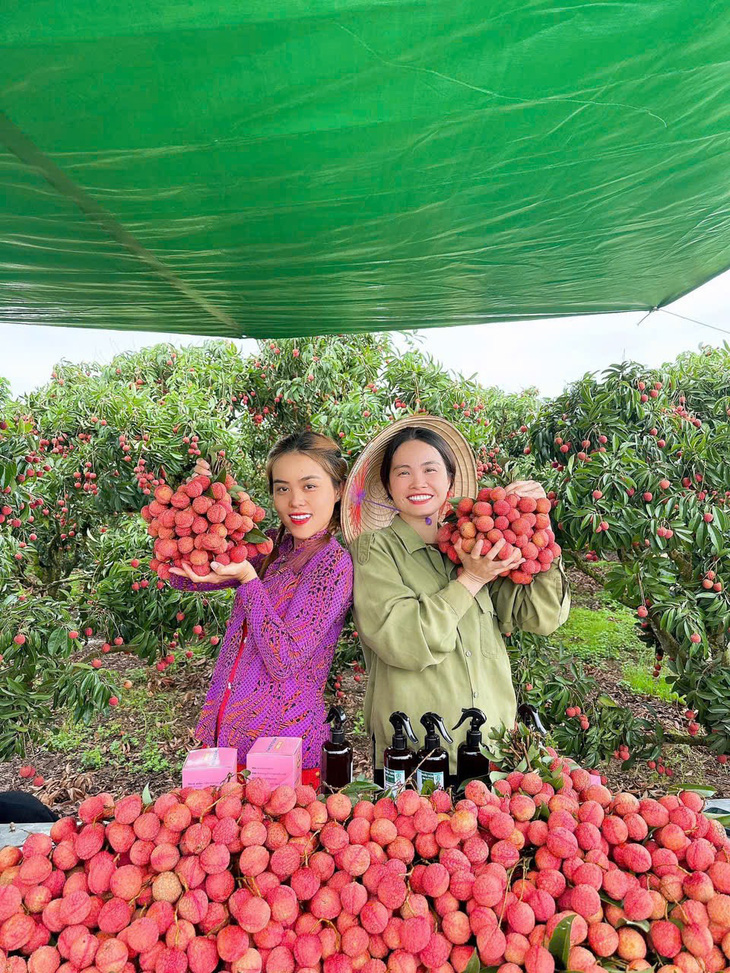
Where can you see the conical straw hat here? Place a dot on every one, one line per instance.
(365, 504)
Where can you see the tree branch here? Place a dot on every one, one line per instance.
(582, 566)
(684, 565)
(686, 739)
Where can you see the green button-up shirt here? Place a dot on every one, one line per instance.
(429, 644)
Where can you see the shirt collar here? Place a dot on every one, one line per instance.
(411, 539)
(288, 542)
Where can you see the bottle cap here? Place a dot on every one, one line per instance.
(474, 733)
(337, 717)
(401, 725)
(433, 722)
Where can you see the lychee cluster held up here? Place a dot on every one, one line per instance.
(530, 876)
(203, 521)
(521, 522)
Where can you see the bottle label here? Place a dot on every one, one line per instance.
(395, 779)
(437, 776)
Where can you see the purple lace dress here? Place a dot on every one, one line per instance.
(278, 650)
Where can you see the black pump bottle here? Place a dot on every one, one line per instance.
(432, 760)
(470, 761)
(336, 763)
(399, 759)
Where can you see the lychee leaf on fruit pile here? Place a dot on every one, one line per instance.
(642, 924)
(474, 966)
(543, 812)
(461, 787)
(255, 536)
(704, 792)
(559, 942)
(360, 787)
(723, 819)
(607, 899)
(146, 795)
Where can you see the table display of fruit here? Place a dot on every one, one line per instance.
(205, 519)
(521, 522)
(545, 871)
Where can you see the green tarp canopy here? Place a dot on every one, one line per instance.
(286, 167)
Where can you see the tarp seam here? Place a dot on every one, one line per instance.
(29, 154)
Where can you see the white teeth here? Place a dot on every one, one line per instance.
(421, 496)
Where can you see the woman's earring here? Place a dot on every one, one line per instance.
(446, 508)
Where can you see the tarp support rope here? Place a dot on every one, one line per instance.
(702, 324)
(21, 146)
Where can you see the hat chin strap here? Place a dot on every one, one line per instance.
(445, 509)
(386, 506)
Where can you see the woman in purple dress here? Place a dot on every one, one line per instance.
(288, 611)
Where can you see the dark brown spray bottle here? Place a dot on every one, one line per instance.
(336, 763)
(470, 760)
(398, 759)
(432, 761)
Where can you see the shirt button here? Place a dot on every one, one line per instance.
(475, 695)
(468, 655)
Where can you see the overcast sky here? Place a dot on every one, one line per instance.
(551, 352)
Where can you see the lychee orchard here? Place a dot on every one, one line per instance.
(544, 870)
(635, 463)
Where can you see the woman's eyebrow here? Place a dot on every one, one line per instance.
(310, 476)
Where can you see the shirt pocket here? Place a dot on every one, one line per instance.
(490, 638)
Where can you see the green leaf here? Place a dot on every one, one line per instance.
(146, 795)
(702, 791)
(607, 898)
(358, 787)
(57, 640)
(644, 924)
(255, 536)
(605, 700)
(723, 819)
(473, 966)
(559, 944)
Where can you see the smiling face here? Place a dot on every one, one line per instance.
(304, 495)
(419, 481)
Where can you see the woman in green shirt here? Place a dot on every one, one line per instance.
(432, 640)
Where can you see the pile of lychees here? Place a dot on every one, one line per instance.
(520, 878)
(522, 522)
(203, 521)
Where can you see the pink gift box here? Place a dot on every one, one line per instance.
(210, 767)
(277, 760)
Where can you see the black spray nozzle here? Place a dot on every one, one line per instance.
(478, 719)
(528, 714)
(402, 726)
(433, 722)
(337, 717)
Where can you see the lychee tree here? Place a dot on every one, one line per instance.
(350, 386)
(81, 455)
(640, 464)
